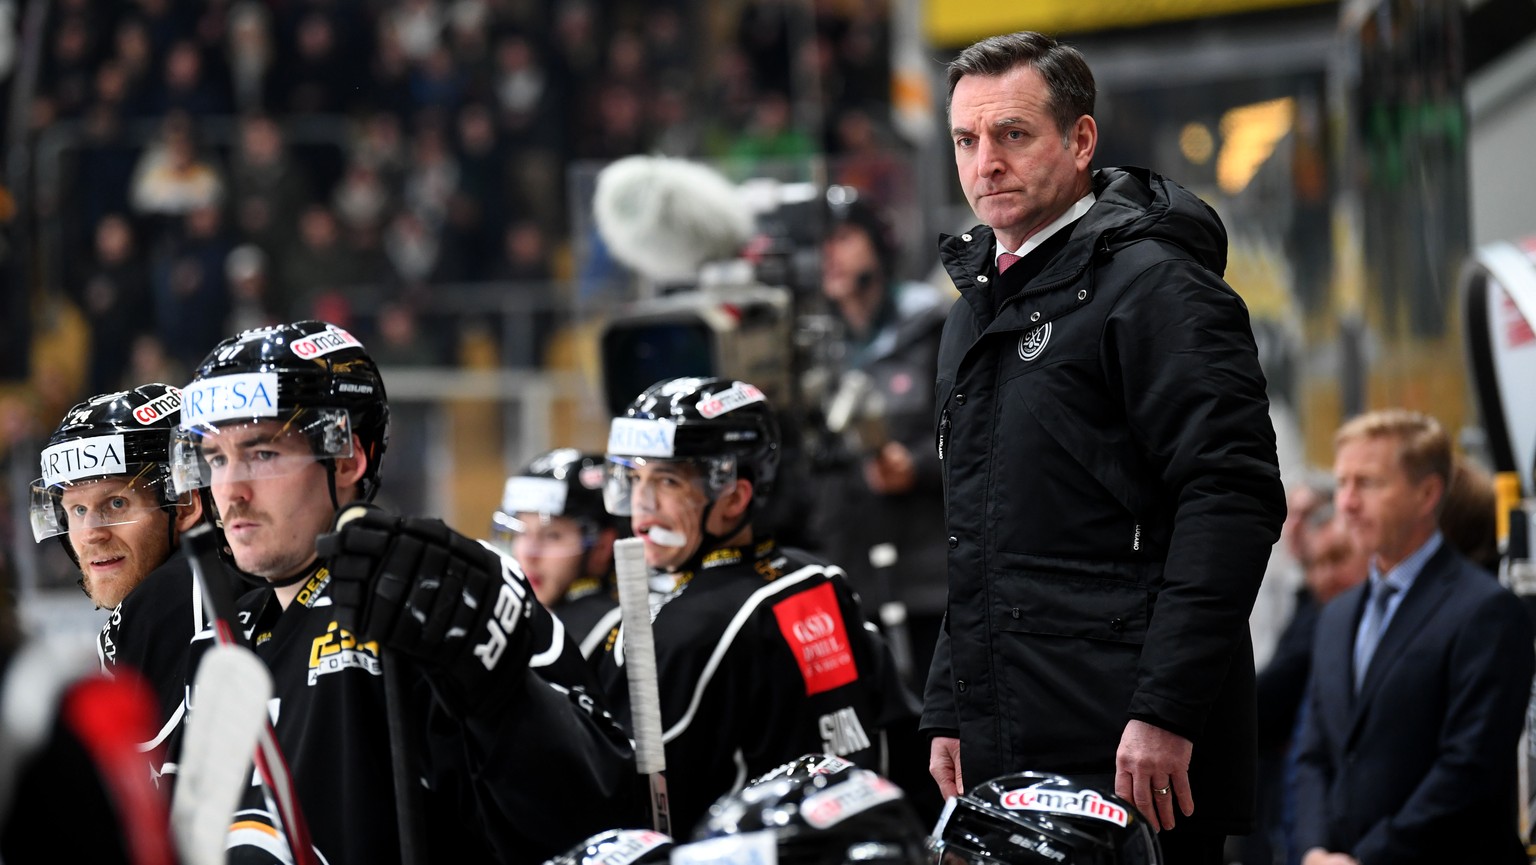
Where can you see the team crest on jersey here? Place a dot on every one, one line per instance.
(1032, 343)
(337, 650)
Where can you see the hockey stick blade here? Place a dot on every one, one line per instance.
(640, 671)
(230, 697)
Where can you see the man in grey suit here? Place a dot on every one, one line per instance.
(1421, 675)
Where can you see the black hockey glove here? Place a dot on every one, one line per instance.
(428, 592)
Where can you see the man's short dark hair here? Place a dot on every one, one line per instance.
(1068, 80)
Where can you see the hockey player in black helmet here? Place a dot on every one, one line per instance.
(552, 520)
(762, 652)
(285, 426)
(1032, 818)
(106, 494)
(814, 810)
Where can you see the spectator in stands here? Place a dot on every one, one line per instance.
(249, 46)
(1468, 517)
(412, 247)
(314, 78)
(135, 55)
(113, 293)
(361, 200)
(771, 136)
(191, 296)
(267, 186)
(68, 68)
(317, 265)
(172, 179)
(185, 89)
(432, 176)
(248, 274)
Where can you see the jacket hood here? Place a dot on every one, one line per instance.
(1137, 204)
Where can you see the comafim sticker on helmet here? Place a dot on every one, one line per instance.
(83, 458)
(158, 407)
(835, 804)
(331, 339)
(1086, 803)
(730, 399)
(812, 625)
(238, 395)
(641, 437)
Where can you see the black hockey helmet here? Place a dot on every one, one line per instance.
(619, 847)
(725, 425)
(1031, 817)
(125, 434)
(563, 482)
(814, 810)
(315, 377)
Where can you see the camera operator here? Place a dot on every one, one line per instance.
(879, 508)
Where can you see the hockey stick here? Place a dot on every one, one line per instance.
(640, 670)
(407, 810)
(231, 693)
(201, 547)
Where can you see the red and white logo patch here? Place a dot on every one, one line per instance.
(158, 407)
(812, 625)
(331, 339)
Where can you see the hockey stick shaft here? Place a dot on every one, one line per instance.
(201, 547)
(640, 671)
(408, 812)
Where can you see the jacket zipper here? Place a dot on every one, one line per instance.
(943, 432)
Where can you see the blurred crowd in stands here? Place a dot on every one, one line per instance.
(233, 162)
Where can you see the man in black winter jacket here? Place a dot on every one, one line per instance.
(1111, 487)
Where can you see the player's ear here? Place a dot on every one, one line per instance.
(188, 512)
(350, 470)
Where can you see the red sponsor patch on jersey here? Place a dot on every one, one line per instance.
(812, 625)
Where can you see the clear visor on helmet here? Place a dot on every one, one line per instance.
(206, 455)
(103, 502)
(637, 482)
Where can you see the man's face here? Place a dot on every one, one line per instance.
(1333, 564)
(667, 501)
(1017, 172)
(849, 266)
(550, 551)
(1385, 512)
(272, 494)
(119, 532)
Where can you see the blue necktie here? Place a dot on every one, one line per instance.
(1371, 626)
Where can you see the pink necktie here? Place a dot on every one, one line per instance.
(1005, 261)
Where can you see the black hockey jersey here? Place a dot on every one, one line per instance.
(589, 611)
(530, 775)
(762, 655)
(151, 631)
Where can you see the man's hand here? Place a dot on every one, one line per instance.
(428, 592)
(944, 766)
(1152, 770)
(1319, 856)
(890, 472)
